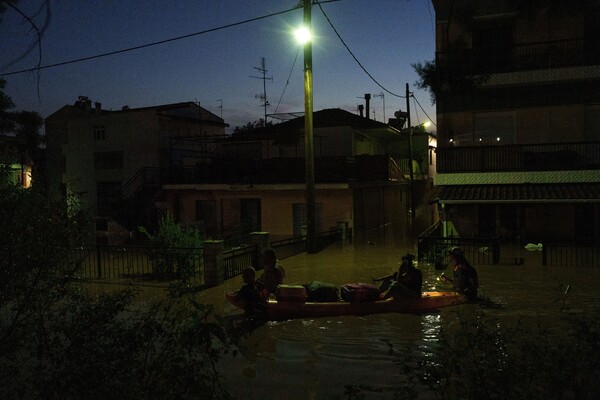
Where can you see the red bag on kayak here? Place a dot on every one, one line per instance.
(359, 292)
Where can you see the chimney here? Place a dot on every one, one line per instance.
(367, 101)
(98, 107)
(360, 109)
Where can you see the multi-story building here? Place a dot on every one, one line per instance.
(101, 154)
(518, 115)
(256, 180)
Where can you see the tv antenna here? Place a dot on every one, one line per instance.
(382, 95)
(220, 106)
(263, 97)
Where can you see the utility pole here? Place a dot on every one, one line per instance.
(263, 97)
(311, 243)
(410, 161)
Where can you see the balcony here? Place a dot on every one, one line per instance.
(529, 157)
(521, 57)
(286, 170)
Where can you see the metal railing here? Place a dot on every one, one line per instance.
(283, 170)
(236, 259)
(571, 255)
(478, 251)
(433, 248)
(140, 263)
(526, 157)
(521, 57)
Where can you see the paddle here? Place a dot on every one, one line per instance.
(444, 277)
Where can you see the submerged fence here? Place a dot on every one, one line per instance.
(140, 263)
(489, 251)
(156, 264)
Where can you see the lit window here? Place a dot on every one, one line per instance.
(491, 126)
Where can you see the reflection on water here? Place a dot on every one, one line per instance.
(316, 358)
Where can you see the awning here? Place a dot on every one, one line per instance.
(522, 193)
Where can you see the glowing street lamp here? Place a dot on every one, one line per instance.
(303, 35)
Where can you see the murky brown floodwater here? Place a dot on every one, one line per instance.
(315, 358)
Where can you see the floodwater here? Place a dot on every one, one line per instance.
(316, 358)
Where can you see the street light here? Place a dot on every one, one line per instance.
(304, 37)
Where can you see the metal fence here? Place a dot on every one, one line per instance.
(489, 251)
(140, 263)
(571, 255)
(479, 251)
(236, 259)
(154, 264)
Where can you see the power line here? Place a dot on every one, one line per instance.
(110, 53)
(288, 80)
(353, 56)
(424, 112)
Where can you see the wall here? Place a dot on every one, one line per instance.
(276, 206)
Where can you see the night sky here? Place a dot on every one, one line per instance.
(386, 36)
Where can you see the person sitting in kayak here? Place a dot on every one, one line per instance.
(406, 283)
(273, 273)
(254, 295)
(465, 276)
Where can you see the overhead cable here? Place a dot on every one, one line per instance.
(143, 46)
(353, 56)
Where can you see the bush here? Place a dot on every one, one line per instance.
(58, 342)
(484, 359)
(175, 252)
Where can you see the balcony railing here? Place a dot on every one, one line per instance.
(530, 157)
(284, 170)
(521, 57)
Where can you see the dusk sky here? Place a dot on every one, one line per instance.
(386, 36)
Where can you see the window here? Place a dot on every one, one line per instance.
(99, 133)
(494, 128)
(108, 160)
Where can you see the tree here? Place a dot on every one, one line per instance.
(251, 127)
(24, 125)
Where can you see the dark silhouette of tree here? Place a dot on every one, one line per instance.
(251, 127)
(23, 125)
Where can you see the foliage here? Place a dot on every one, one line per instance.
(59, 342)
(485, 359)
(251, 127)
(174, 252)
(488, 360)
(23, 125)
(440, 80)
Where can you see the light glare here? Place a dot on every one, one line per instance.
(303, 35)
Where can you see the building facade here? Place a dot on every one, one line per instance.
(256, 181)
(518, 115)
(102, 154)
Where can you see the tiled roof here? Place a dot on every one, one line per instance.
(587, 192)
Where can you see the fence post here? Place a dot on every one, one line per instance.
(261, 241)
(98, 261)
(544, 255)
(213, 263)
